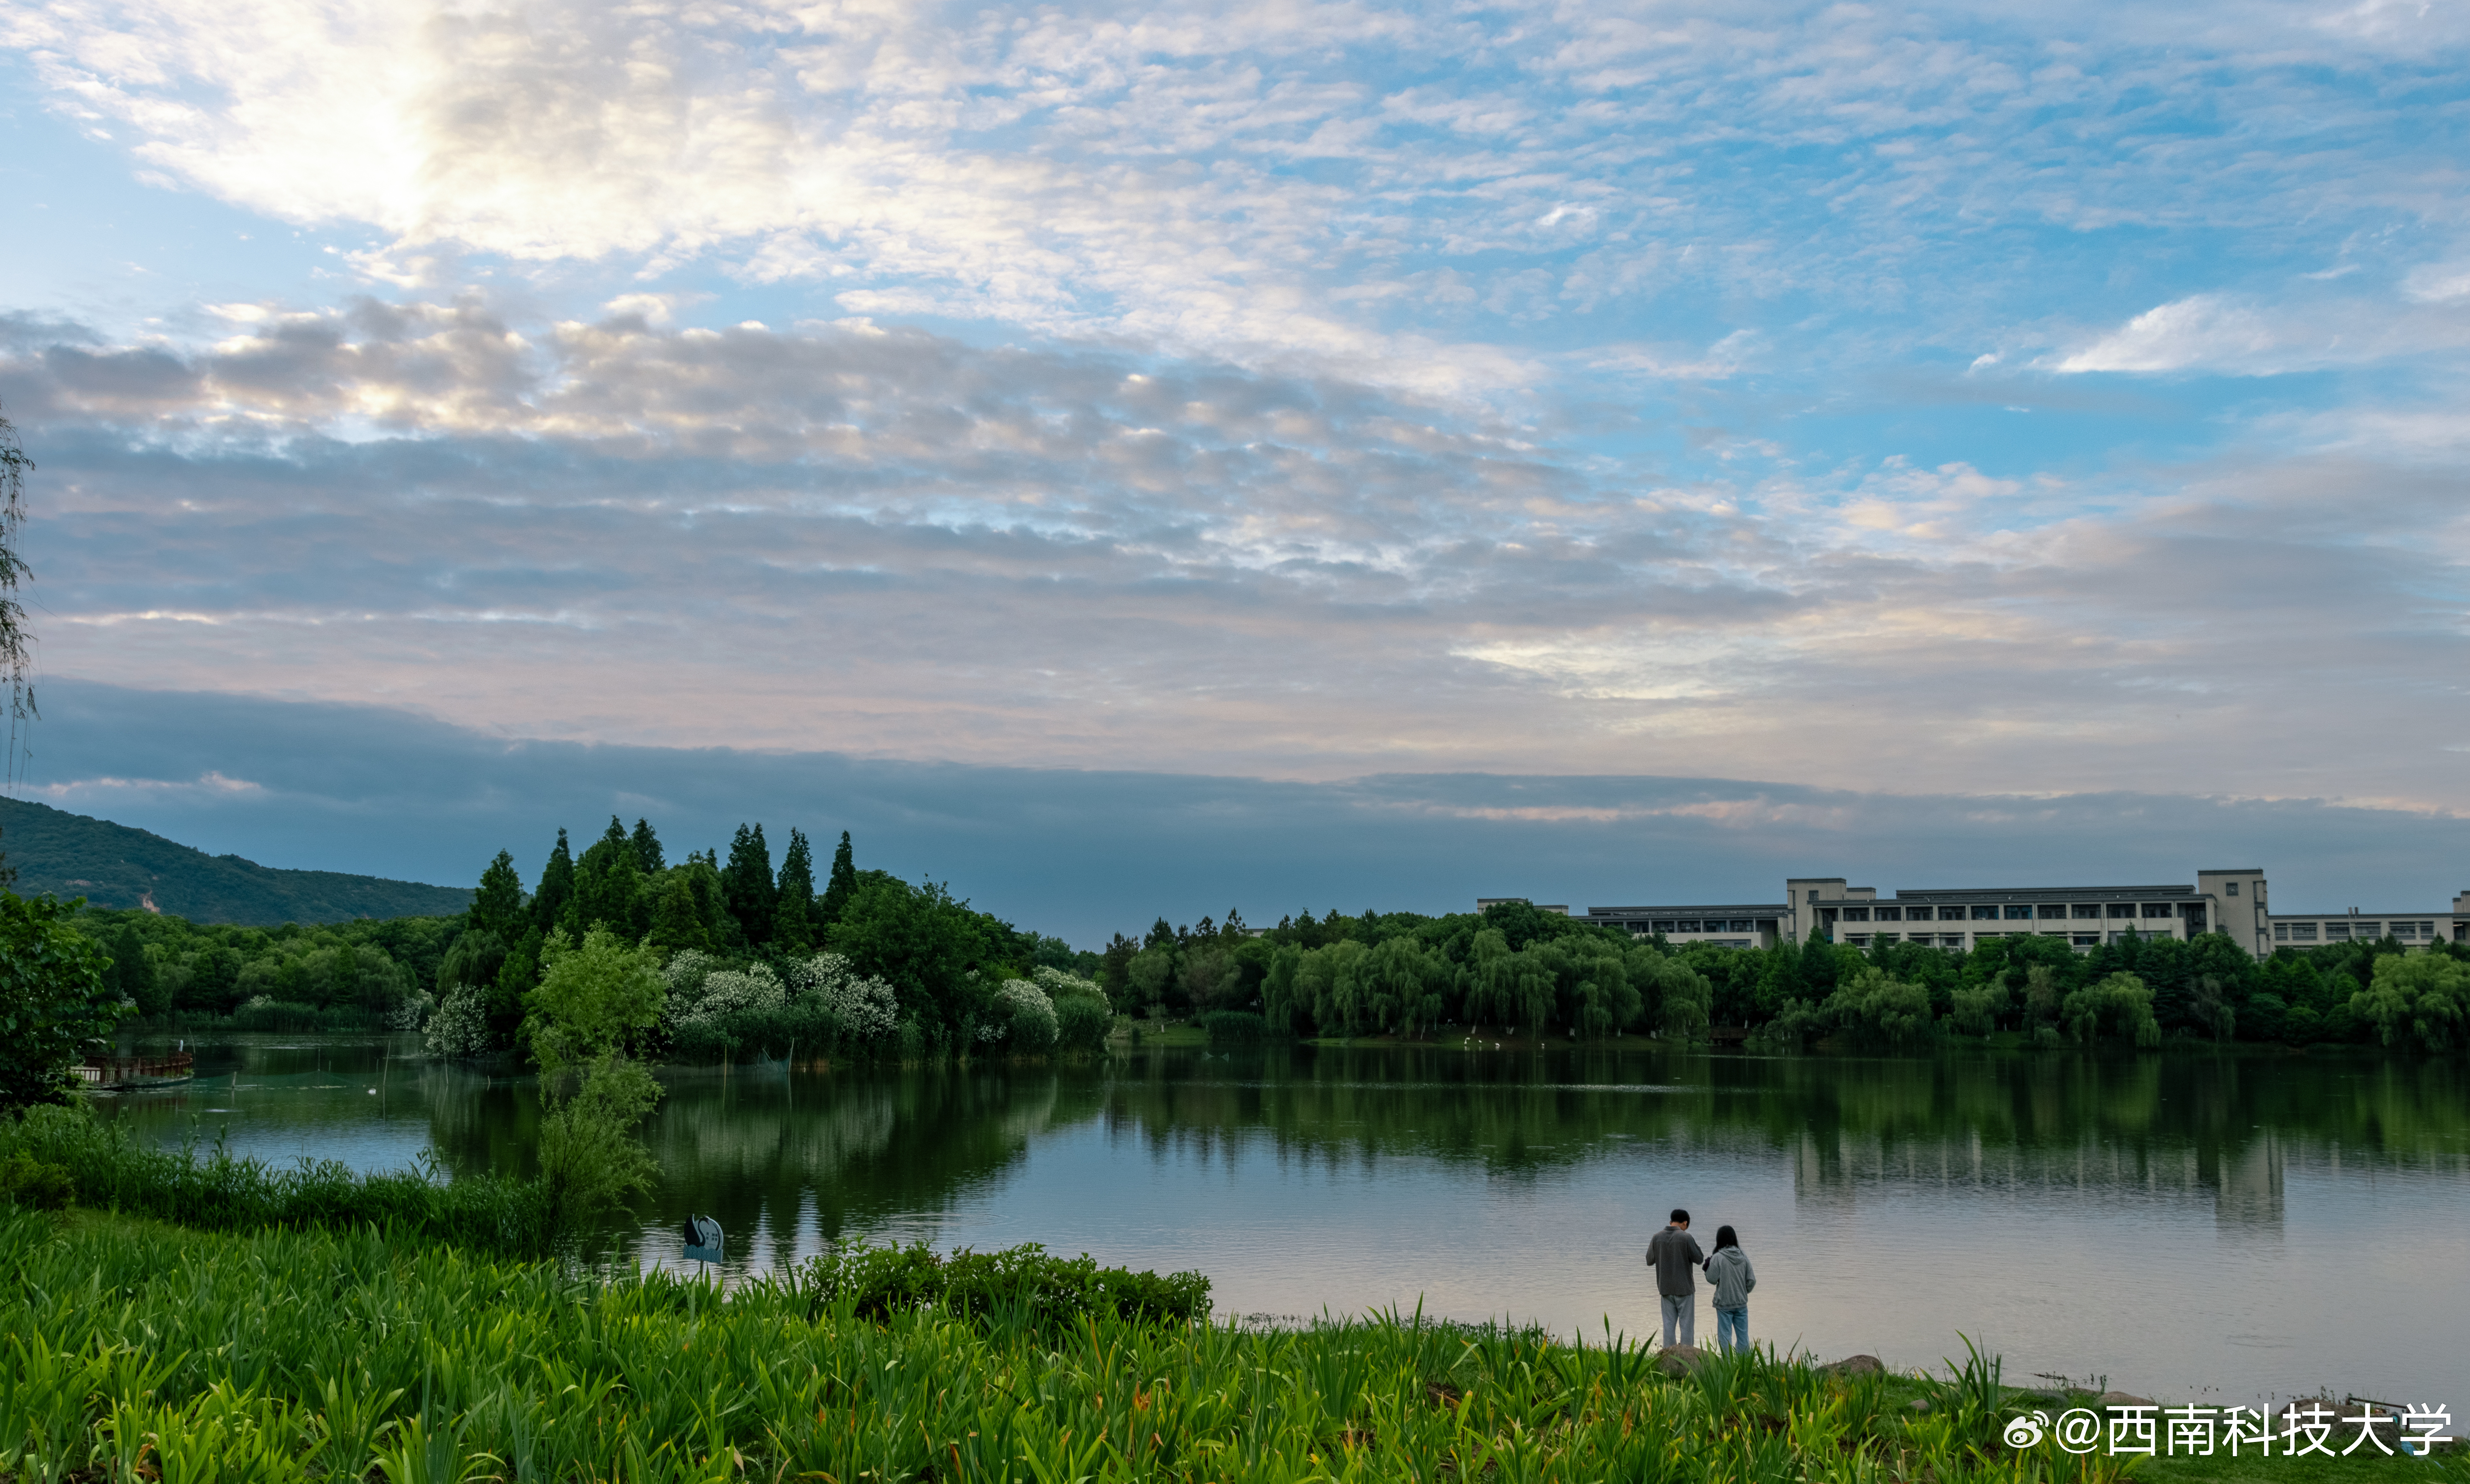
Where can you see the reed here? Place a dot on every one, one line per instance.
(134, 1350)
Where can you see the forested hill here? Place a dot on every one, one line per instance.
(114, 866)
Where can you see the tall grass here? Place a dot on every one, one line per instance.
(212, 1188)
(134, 1350)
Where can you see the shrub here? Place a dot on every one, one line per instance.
(1082, 1024)
(2119, 1005)
(1234, 1027)
(1026, 1020)
(879, 1283)
(30, 1182)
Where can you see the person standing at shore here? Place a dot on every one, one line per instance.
(1730, 1274)
(1674, 1255)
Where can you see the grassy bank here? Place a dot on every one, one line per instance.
(140, 1350)
(103, 1168)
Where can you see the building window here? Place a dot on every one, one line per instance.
(1668, 926)
(2230, 889)
(2281, 932)
(1857, 914)
(1741, 926)
(1985, 913)
(2021, 911)
(1891, 914)
(1891, 938)
(2088, 940)
(2157, 910)
(1687, 925)
(2054, 909)
(2302, 931)
(2087, 909)
(2427, 930)
(1858, 939)
(2335, 932)
(2122, 909)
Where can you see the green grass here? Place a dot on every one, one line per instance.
(107, 1168)
(130, 1349)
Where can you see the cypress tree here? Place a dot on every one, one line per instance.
(746, 884)
(497, 907)
(647, 849)
(556, 887)
(840, 887)
(793, 920)
(677, 924)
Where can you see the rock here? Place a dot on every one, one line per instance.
(1856, 1365)
(1680, 1360)
(1922, 1404)
(2122, 1399)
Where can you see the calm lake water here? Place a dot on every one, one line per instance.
(2191, 1226)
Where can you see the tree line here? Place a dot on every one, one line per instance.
(1511, 965)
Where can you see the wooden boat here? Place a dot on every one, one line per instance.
(129, 1074)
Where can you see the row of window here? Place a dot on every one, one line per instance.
(1706, 926)
(2010, 911)
(1956, 939)
(2343, 930)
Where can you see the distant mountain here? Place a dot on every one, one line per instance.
(114, 866)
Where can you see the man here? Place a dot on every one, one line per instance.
(1674, 1255)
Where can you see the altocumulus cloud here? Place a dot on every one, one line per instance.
(2056, 404)
(895, 544)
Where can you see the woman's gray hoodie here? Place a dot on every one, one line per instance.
(1730, 1271)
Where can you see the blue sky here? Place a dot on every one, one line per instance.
(1917, 402)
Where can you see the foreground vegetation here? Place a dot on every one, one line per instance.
(140, 1351)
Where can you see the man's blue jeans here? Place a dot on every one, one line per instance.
(1732, 1329)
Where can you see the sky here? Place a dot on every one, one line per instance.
(1937, 440)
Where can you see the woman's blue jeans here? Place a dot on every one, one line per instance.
(1732, 1329)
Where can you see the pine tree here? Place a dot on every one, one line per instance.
(839, 888)
(746, 883)
(556, 887)
(793, 920)
(647, 849)
(497, 907)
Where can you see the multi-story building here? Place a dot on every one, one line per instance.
(2230, 901)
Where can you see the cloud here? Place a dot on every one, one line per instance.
(886, 542)
(1085, 853)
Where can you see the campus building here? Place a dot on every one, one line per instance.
(2230, 901)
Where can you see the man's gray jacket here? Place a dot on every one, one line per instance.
(1674, 1255)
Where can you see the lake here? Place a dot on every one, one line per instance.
(2193, 1226)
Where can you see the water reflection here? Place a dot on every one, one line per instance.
(2126, 1214)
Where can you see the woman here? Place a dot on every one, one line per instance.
(1728, 1269)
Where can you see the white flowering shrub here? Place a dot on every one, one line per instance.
(723, 993)
(1030, 1013)
(865, 1006)
(1059, 982)
(411, 1011)
(460, 1028)
(686, 973)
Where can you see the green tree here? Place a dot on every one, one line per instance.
(918, 940)
(594, 999)
(647, 849)
(56, 1002)
(133, 973)
(677, 919)
(608, 888)
(498, 906)
(793, 919)
(840, 886)
(556, 887)
(2119, 1005)
(746, 883)
(2421, 1001)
